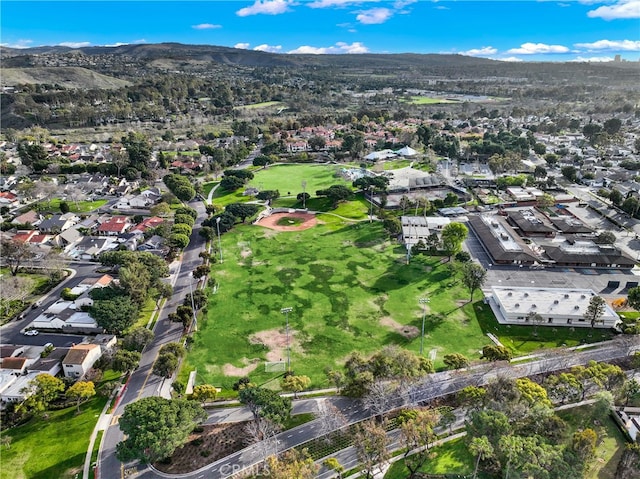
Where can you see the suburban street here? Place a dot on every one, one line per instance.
(142, 382)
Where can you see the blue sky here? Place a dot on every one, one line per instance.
(525, 30)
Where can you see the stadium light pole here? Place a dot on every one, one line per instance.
(423, 302)
(219, 242)
(370, 203)
(286, 312)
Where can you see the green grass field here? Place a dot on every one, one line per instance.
(426, 100)
(350, 289)
(452, 457)
(257, 106)
(54, 448)
(82, 207)
(610, 444)
(287, 179)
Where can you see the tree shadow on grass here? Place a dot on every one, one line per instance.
(62, 469)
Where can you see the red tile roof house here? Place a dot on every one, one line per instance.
(148, 223)
(32, 237)
(114, 226)
(8, 198)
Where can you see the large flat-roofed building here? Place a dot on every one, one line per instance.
(500, 241)
(555, 307)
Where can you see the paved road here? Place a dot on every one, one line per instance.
(142, 383)
(11, 331)
(434, 386)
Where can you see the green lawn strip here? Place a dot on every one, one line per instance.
(52, 448)
(452, 457)
(629, 314)
(53, 206)
(350, 290)
(521, 339)
(144, 316)
(298, 419)
(207, 187)
(255, 106)
(94, 454)
(610, 443)
(287, 179)
(182, 153)
(396, 164)
(426, 100)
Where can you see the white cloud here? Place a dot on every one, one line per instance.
(268, 48)
(616, 45)
(509, 59)
(621, 9)
(374, 16)
(334, 3)
(533, 48)
(265, 7)
(74, 44)
(340, 47)
(243, 46)
(480, 51)
(18, 44)
(117, 44)
(205, 26)
(140, 40)
(592, 59)
(399, 4)
(564, 5)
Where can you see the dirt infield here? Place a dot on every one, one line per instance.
(271, 222)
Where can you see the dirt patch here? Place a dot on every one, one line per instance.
(408, 332)
(231, 370)
(305, 221)
(213, 443)
(276, 341)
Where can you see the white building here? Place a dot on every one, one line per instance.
(80, 359)
(418, 228)
(555, 307)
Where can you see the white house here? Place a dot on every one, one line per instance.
(80, 359)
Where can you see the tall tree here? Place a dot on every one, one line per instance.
(473, 277)
(81, 390)
(124, 361)
(418, 436)
(42, 390)
(115, 315)
(453, 235)
(154, 427)
(370, 443)
(292, 464)
(135, 280)
(595, 310)
(266, 403)
(482, 449)
(15, 253)
(295, 384)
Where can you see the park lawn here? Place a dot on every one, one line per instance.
(396, 164)
(288, 178)
(610, 445)
(522, 340)
(350, 289)
(54, 448)
(207, 187)
(82, 206)
(426, 100)
(256, 106)
(452, 457)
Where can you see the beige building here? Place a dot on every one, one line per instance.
(80, 359)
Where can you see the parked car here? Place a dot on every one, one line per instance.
(31, 332)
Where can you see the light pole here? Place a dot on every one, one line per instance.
(423, 302)
(286, 312)
(304, 195)
(219, 242)
(370, 203)
(193, 305)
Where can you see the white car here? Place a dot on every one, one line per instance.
(31, 332)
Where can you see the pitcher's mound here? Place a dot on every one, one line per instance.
(289, 221)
